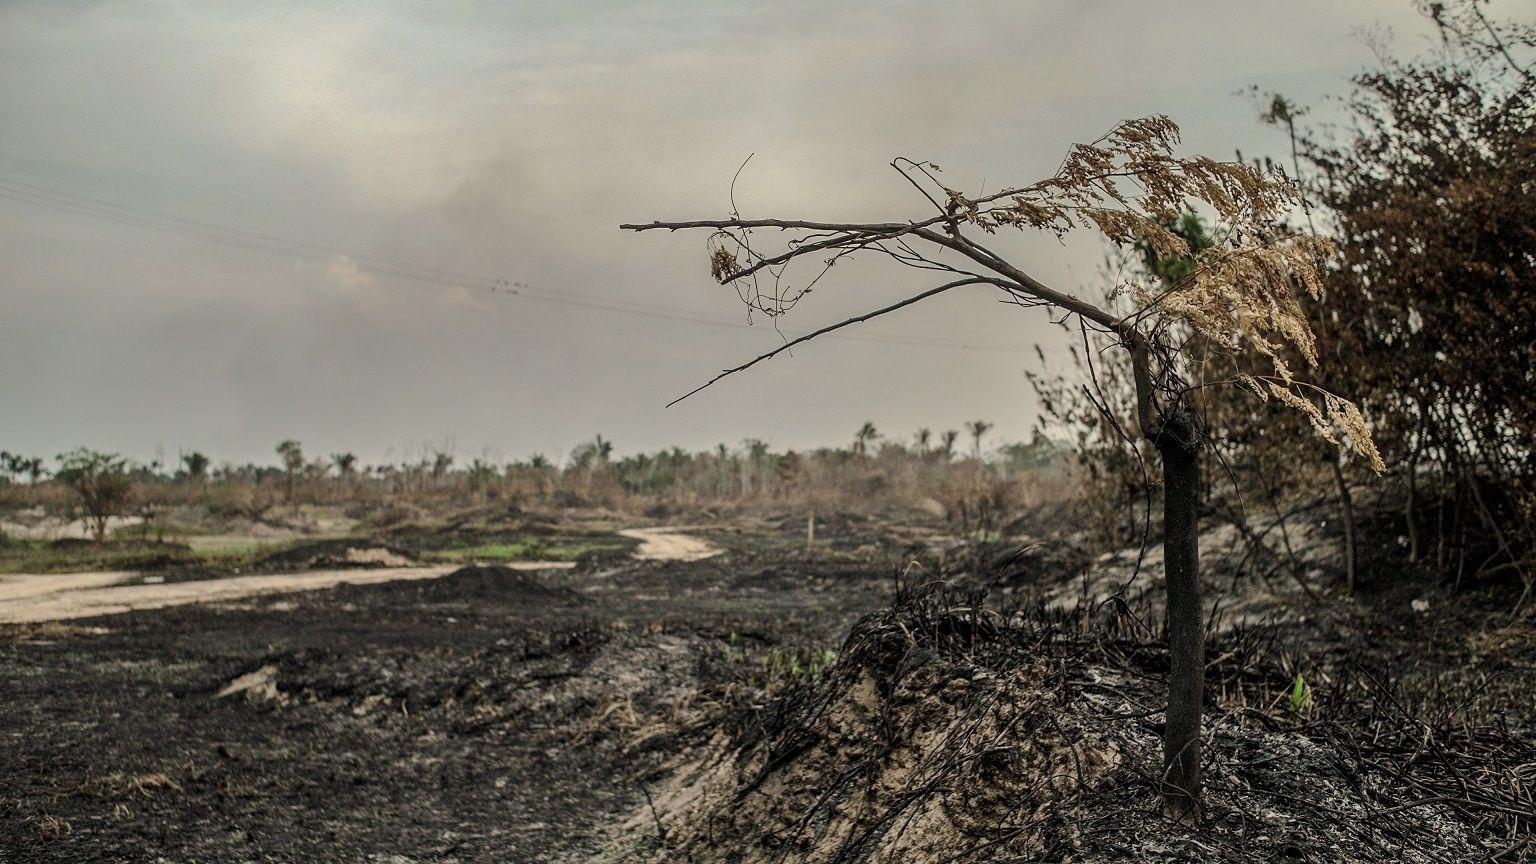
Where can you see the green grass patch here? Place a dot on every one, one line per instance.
(121, 553)
(46, 556)
(159, 530)
(231, 553)
(527, 549)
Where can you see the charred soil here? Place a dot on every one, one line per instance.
(771, 703)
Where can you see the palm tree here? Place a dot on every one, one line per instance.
(864, 437)
(977, 428)
(756, 453)
(292, 454)
(923, 437)
(196, 466)
(12, 464)
(947, 443)
(480, 475)
(442, 460)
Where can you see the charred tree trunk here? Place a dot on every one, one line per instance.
(1348, 503)
(1409, 512)
(1173, 431)
(1178, 444)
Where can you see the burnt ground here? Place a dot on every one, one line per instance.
(493, 715)
(486, 716)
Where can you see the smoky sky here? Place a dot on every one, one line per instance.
(507, 141)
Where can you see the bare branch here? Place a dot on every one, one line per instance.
(1025, 282)
(857, 319)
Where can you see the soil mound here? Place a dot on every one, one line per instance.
(494, 580)
(332, 555)
(947, 732)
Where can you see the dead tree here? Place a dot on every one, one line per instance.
(1128, 185)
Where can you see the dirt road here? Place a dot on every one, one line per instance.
(32, 598)
(23, 586)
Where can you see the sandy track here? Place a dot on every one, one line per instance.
(22, 586)
(55, 597)
(666, 544)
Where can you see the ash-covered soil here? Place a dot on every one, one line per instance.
(770, 704)
(1007, 708)
(950, 731)
(490, 715)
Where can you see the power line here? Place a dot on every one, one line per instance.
(76, 204)
(23, 192)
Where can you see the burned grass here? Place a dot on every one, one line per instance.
(489, 715)
(768, 704)
(949, 732)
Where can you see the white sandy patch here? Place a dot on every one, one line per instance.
(44, 597)
(54, 528)
(666, 544)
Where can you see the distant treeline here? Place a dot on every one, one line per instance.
(962, 479)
